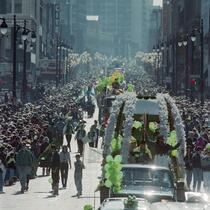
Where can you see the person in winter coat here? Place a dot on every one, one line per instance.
(69, 130)
(80, 135)
(188, 167)
(24, 163)
(93, 135)
(65, 164)
(205, 164)
(79, 166)
(197, 170)
(55, 166)
(59, 126)
(2, 169)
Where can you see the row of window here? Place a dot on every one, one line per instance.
(7, 5)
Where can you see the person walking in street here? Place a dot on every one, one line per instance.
(24, 163)
(188, 167)
(80, 135)
(65, 164)
(197, 170)
(59, 126)
(79, 166)
(205, 163)
(93, 135)
(69, 130)
(2, 169)
(55, 165)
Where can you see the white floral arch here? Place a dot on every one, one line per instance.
(130, 101)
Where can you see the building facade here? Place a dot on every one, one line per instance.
(181, 20)
(122, 28)
(24, 10)
(205, 15)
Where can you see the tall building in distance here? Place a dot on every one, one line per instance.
(122, 27)
(78, 24)
(155, 28)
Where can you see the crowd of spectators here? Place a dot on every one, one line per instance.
(35, 126)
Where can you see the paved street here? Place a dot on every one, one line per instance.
(39, 196)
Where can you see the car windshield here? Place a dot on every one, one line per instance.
(147, 177)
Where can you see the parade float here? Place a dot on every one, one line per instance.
(134, 119)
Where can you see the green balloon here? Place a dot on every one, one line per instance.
(118, 184)
(107, 175)
(116, 189)
(108, 183)
(118, 159)
(112, 178)
(88, 207)
(106, 167)
(137, 124)
(121, 174)
(118, 179)
(109, 158)
(118, 167)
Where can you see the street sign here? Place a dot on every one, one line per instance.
(57, 17)
(194, 76)
(168, 80)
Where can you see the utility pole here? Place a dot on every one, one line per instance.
(14, 60)
(57, 71)
(202, 82)
(186, 70)
(24, 82)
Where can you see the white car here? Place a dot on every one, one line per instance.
(118, 204)
(152, 183)
(194, 201)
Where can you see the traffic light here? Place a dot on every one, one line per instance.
(193, 82)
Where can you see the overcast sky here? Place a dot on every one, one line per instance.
(157, 2)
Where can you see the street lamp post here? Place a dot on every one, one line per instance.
(24, 81)
(185, 44)
(202, 82)
(25, 33)
(57, 65)
(63, 63)
(162, 62)
(16, 29)
(3, 26)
